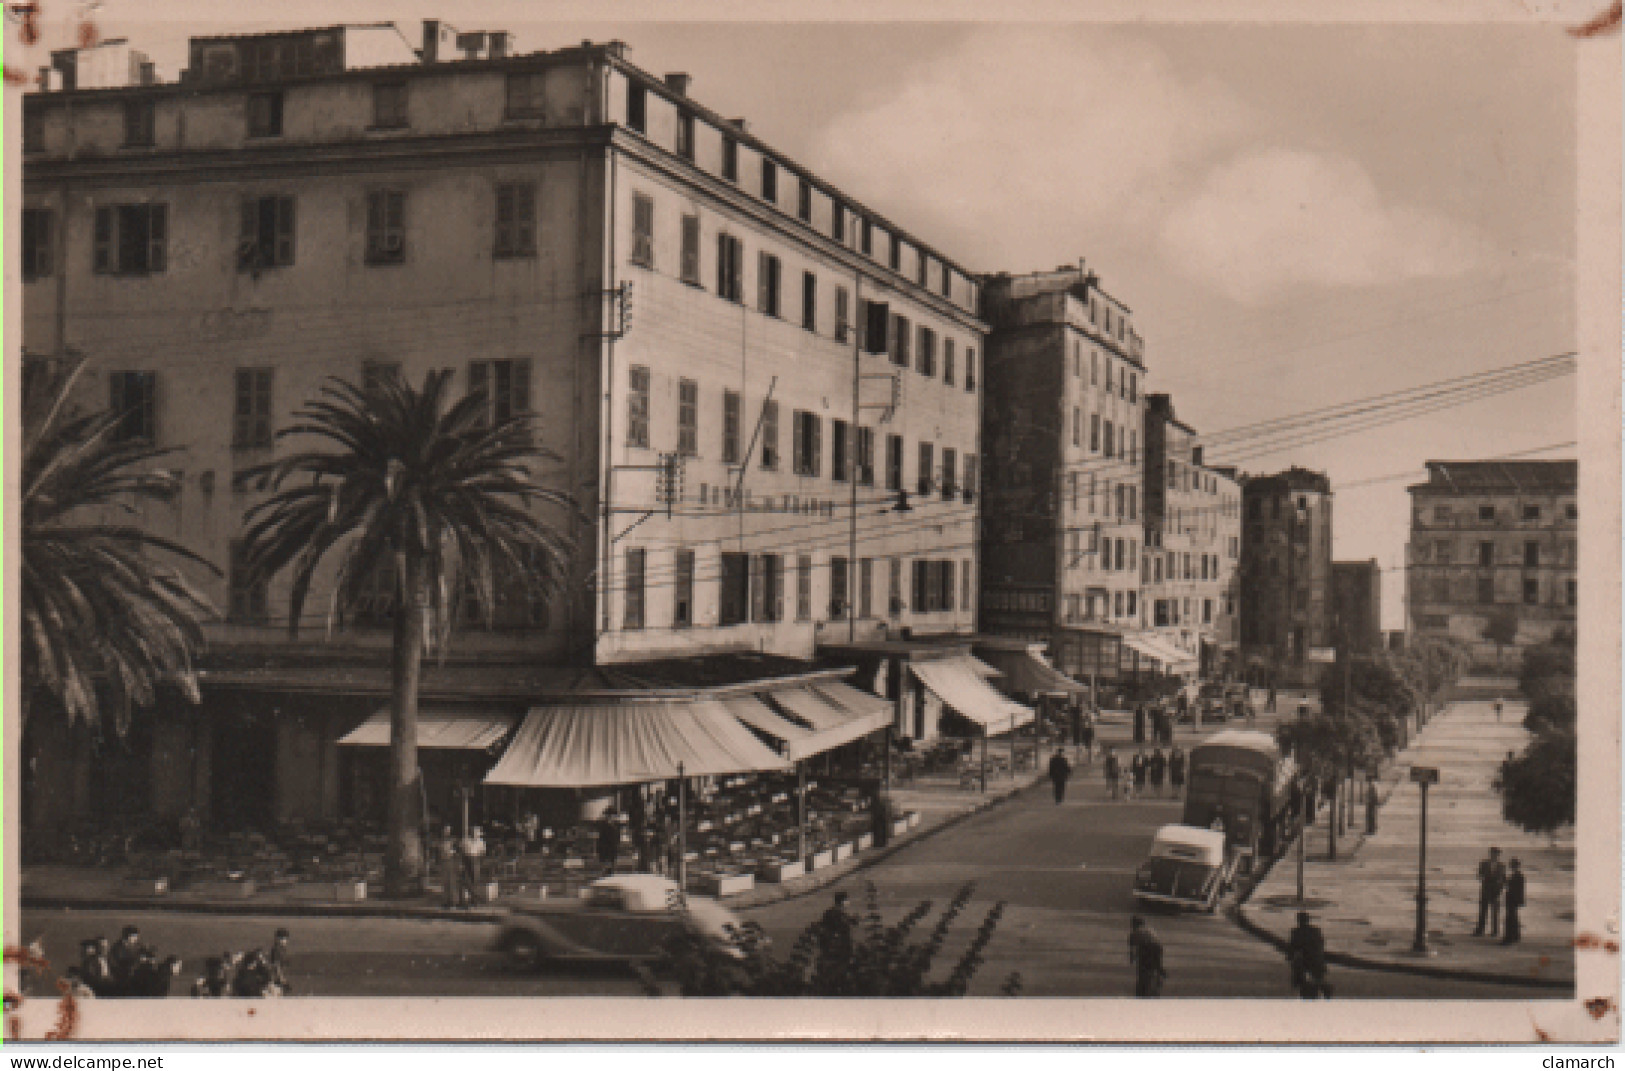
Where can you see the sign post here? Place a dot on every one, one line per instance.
(1423, 776)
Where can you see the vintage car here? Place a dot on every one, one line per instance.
(622, 917)
(1213, 702)
(1187, 867)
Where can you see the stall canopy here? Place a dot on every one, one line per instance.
(600, 743)
(1029, 674)
(1169, 656)
(834, 716)
(956, 682)
(451, 731)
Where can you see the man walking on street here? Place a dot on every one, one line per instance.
(1492, 879)
(1145, 953)
(1059, 771)
(1515, 899)
(1176, 770)
(1306, 952)
(1088, 737)
(1114, 771)
(1156, 766)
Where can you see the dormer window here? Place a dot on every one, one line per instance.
(265, 115)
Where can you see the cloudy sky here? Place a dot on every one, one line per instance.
(1299, 216)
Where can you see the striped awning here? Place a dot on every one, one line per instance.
(959, 685)
(444, 730)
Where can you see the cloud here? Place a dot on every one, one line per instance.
(1041, 136)
(1273, 220)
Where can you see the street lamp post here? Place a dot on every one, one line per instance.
(1423, 776)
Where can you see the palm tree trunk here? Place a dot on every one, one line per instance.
(403, 856)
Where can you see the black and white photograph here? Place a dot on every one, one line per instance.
(1026, 511)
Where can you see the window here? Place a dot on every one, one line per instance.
(637, 107)
(1109, 440)
(924, 269)
(1094, 368)
(691, 250)
(866, 456)
(837, 587)
(39, 242)
(733, 607)
(1486, 589)
(766, 588)
(945, 582)
(248, 602)
(927, 461)
(134, 397)
(1077, 426)
(682, 605)
(131, 239)
(1133, 502)
(843, 309)
(138, 123)
(970, 370)
(643, 230)
(840, 450)
(1531, 513)
(1531, 554)
(386, 227)
(730, 159)
(894, 258)
(837, 227)
(526, 97)
(685, 135)
(634, 588)
(730, 427)
(504, 384)
(1122, 508)
(1572, 591)
(730, 268)
(1486, 553)
(809, 301)
(770, 181)
(948, 361)
(1571, 511)
(894, 586)
(899, 340)
(950, 472)
(1133, 388)
(947, 282)
(1094, 433)
(894, 462)
(251, 423)
(1531, 590)
(866, 579)
(803, 587)
(808, 447)
(804, 201)
(928, 351)
(637, 406)
(1133, 454)
(265, 233)
(389, 105)
(767, 283)
(265, 115)
(688, 418)
(770, 435)
(1122, 441)
(1109, 387)
(867, 240)
(1486, 513)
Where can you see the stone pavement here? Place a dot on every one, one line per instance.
(1365, 902)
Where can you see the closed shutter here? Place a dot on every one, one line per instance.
(284, 230)
(798, 451)
(157, 237)
(815, 428)
(763, 287)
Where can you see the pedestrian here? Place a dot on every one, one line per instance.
(1145, 954)
(1156, 766)
(279, 962)
(1114, 770)
(1075, 712)
(1059, 771)
(1139, 724)
(94, 970)
(451, 867)
(1270, 704)
(1492, 881)
(1139, 766)
(1515, 901)
(834, 941)
(1089, 737)
(1126, 783)
(1306, 953)
(473, 852)
(1497, 709)
(609, 840)
(1176, 770)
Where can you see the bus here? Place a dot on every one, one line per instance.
(1240, 783)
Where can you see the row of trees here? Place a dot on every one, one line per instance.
(1539, 787)
(409, 477)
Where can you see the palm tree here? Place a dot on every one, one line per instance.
(104, 615)
(434, 493)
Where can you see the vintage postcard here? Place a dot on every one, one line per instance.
(1105, 520)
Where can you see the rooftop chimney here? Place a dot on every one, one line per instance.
(677, 82)
(432, 31)
(498, 45)
(742, 125)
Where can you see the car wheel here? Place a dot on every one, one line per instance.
(523, 951)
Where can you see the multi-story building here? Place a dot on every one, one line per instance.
(1491, 539)
(1286, 566)
(1357, 605)
(1063, 470)
(579, 239)
(1192, 542)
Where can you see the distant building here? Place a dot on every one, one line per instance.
(1493, 538)
(1286, 572)
(1063, 470)
(1357, 605)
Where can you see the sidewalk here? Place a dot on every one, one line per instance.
(1365, 902)
(88, 888)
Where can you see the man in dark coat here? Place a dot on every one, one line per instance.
(1145, 953)
(1059, 771)
(1515, 901)
(609, 839)
(835, 931)
(1176, 770)
(1306, 952)
(1114, 771)
(1155, 767)
(1492, 880)
(1139, 724)
(1138, 766)
(123, 956)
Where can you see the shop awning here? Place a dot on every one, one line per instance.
(450, 731)
(833, 722)
(855, 700)
(956, 682)
(798, 740)
(1159, 651)
(809, 706)
(594, 744)
(1025, 672)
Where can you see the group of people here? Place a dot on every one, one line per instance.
(1305, 955)
(1125, 781)
(127, 968)
(1159, 720)
(247, 974)
(1500, 884)
(461, 862)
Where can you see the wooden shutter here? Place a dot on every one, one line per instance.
(722, 265)
(737, 266)
(157, 237)
(798, 434)
(691, 249)
(763, 287)
(815, 425)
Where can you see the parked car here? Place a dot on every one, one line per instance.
(1238, 700)
(1212, 702)
(623, 917)
(1186, 867)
